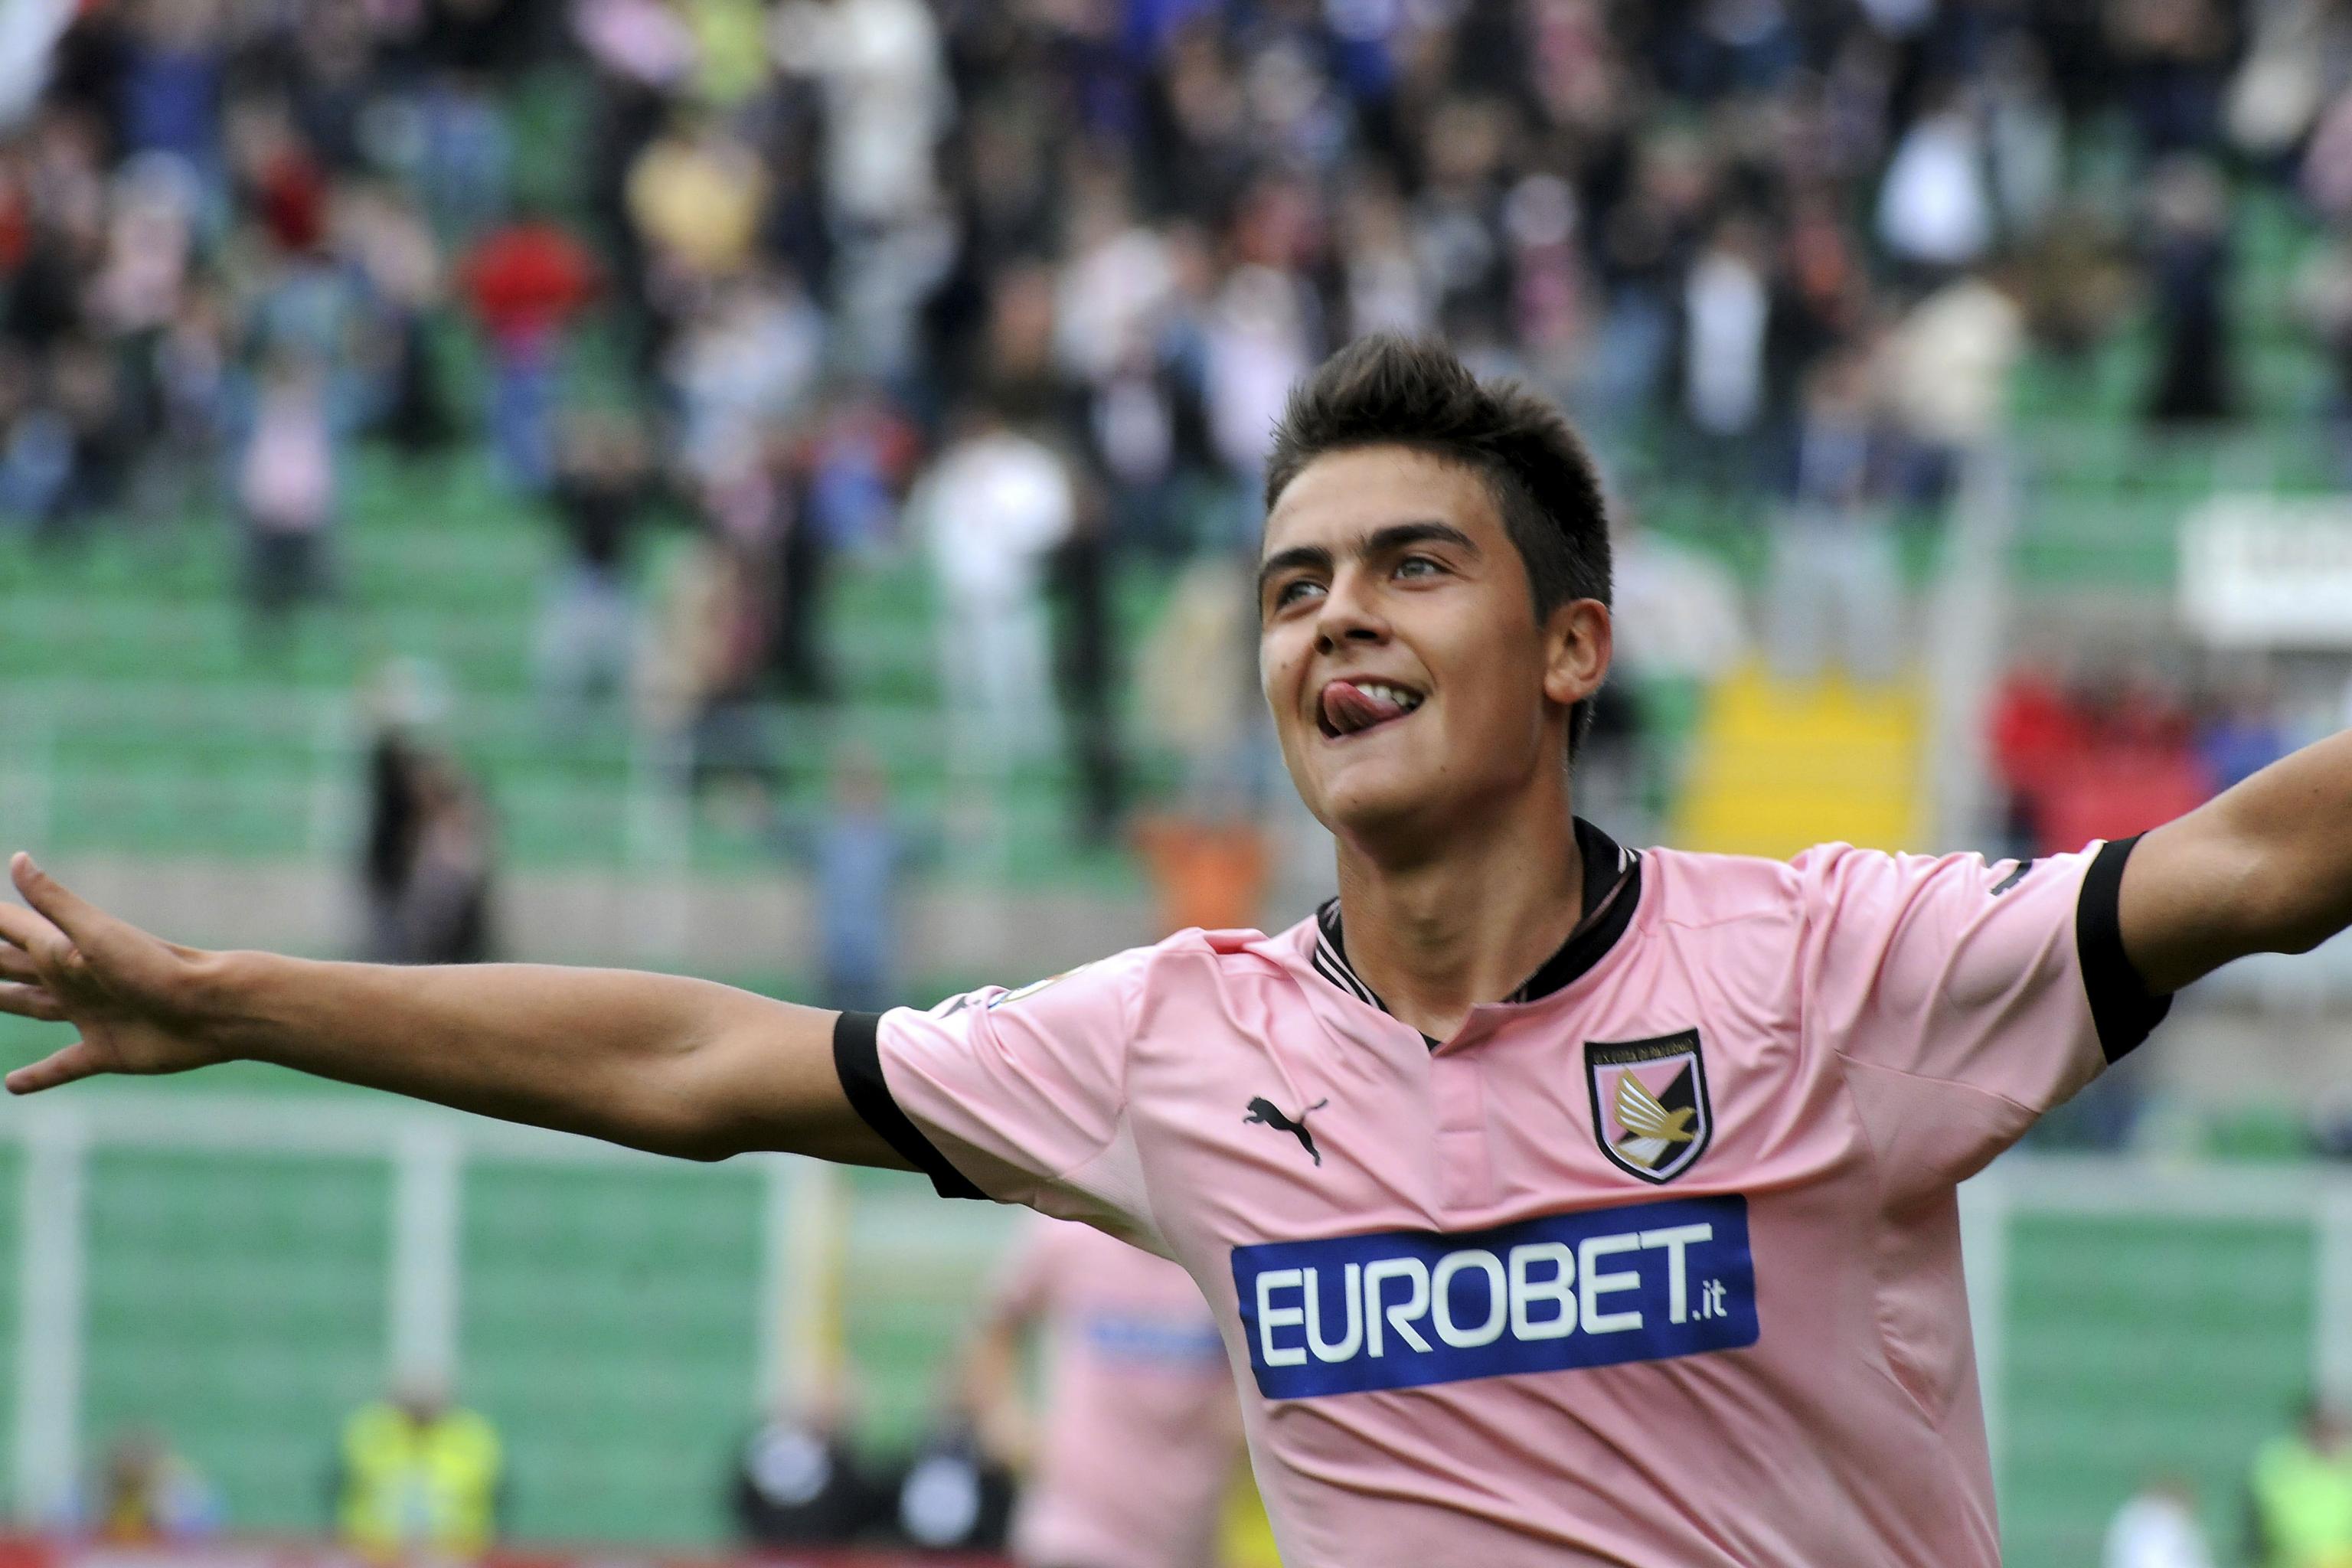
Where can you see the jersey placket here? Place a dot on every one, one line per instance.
(1464, 1154)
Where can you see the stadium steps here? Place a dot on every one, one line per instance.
(608, 1324)
(160, 727)
(1777, 766)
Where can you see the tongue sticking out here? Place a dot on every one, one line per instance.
(1348, 708)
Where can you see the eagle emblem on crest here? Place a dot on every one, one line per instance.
(1650, 1110)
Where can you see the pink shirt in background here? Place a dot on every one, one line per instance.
(1656, 1265)
(1140, 1438)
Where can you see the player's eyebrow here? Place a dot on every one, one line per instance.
(1281, 560)
(1385, 541)
(1398, 536)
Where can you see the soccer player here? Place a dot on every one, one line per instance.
(1557, 1204)
(1137, 1439)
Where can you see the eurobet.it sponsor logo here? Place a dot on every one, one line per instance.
(1403, 1308)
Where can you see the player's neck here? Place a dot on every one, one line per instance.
(1435, 938)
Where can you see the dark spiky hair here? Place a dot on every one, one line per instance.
(1389, 390)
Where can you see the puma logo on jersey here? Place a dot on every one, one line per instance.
(1265, 1113)
(2013, 879)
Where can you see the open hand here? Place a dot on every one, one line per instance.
(139, 1002)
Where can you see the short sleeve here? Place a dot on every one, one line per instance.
(1966, 999)
(1018, 1096)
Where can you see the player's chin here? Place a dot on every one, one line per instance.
(1374, 797)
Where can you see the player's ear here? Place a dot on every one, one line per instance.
(1578, 641)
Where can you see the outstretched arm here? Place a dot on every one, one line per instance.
(2263, 868)
(653, 1061)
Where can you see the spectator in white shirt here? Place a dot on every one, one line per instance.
(2158, 1528)
(992, 507)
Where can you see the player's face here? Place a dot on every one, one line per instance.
(1398, 648)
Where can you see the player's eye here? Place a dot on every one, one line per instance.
(1295, 591)
(1418, 566)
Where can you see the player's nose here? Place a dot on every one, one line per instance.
(1347, 617)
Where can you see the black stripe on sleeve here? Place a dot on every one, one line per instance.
(2121, 1005)
(858, 1057)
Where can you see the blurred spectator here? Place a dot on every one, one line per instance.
(858, 459)
(2100, 763)
(881, 67)
(525, 282)
(287, 489)
(746, 358)
(1198, 692)
(714, 630)
(2158, 1528)
(426, 862)
(2037, 735)
(2322, 298)
(1684, 628)
(2240, 734)
(176, 480)
(993, 507)
(417, 1476)
(1207, 873)
(602, 494)
(799, 1483)
(1081, 577)
(446, 136)
(27, 33)
(1259, 338)
(2175, 56)
(145, 1494)
(861, 853)
(952, 1496)
(440, 907)
(2189, 263)
(1726, 311)
(1947, 369)
(882, 70)
(2299, 1494)
(1836, 592)
(694, 195)
(1935, 210)
(1135, 1437)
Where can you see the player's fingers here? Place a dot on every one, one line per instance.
(76, 1061)
(67, 911)
(29, 934)
(30, 1001)
(15, 964)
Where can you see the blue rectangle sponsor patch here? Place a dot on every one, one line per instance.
(1403, 1308)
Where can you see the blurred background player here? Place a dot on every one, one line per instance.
(2158, 1528)
(417, 1475)
(146, 1493)
(798, 1482)
(2299, 1494)
(1133, 1440)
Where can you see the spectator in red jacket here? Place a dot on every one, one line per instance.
(525, 282)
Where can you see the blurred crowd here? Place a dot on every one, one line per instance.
(2121, 751)
(1023, 285)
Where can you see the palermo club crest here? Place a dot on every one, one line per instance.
(1649, 1111)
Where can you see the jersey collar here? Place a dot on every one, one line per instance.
(1613, 886)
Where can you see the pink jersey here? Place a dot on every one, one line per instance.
(1657, 1263)
(1140, 1436)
